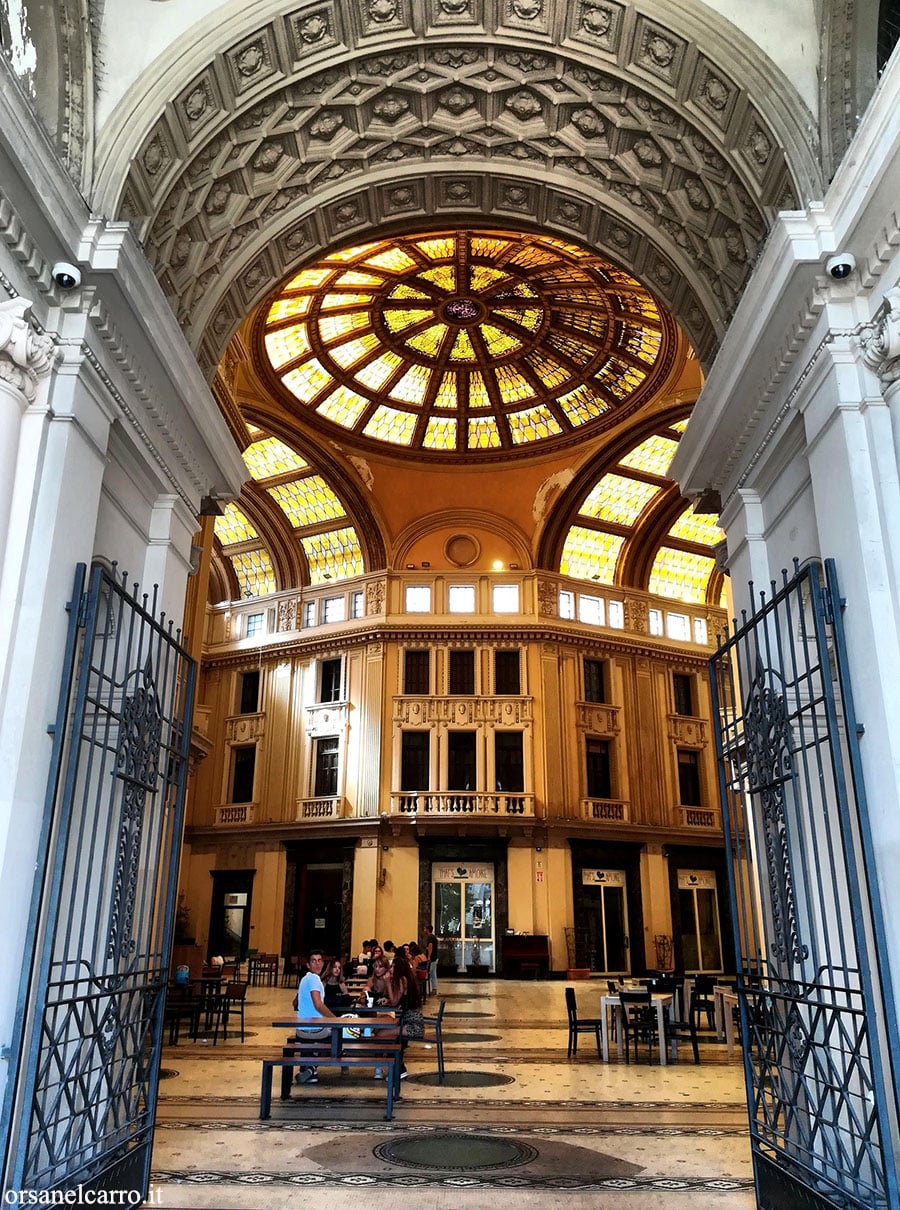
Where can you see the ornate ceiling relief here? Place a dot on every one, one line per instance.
(300, 136)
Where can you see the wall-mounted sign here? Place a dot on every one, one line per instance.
(701, 880)
(603, 877)
(448, 871)
(320, 922)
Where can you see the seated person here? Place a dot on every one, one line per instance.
(336, 994)
(389, 951)
(310, 1002)
(377, 991)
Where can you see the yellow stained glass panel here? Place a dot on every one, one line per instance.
(570, 348)
(437, 249)
(284, 308)
(534, 424)
(393, 259)
(440, 434)
(308, 279)
(446, 395)
(405, 291)
(271, 457)
(412, 386)
(333, 556)
(697, 527)
(442, 275)
(387, 424)
(334, 327)
(307, 380)
(587, 323)
(343, 406)
(526, 317)
(286, 344)
(499, 344)
(398, 321)
(348, 254)
(653, 455)
(643, 344)
(377, 372)
(255, 573)
(675, 573)
(478, 396)
(532, 254)
(233, 526)
(429, 341)
(483, 434)
(347, 355)
(353, 277)
(462, 347)
(513, 386)
(617, 498)
(680, 425)
(330, 302)
(589, 554)
(489, 247)
(307, 501)
(548, 371)
(583, 404)
(483, 276)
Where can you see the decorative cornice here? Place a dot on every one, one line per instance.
(881, 343)
(25, 356)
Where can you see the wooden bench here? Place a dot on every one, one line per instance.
(316, 1054)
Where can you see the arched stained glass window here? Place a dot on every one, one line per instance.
(465, 342)
(242, 546)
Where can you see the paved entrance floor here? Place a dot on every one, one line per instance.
(525, 1127)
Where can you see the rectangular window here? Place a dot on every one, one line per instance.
(461, 772)
(461, 598)
(689, 777)
(416, 672)
(357, 605)
(243, 767)
(567, 605)
(415, 760)
(309, 613)
(590, 610)
(462, 673)
(615, 611)
(509, 763)
(701, 634)
(683, 690)
(599, 782)
(595, 680)
(334, 609)
(326, 783)
(507, 672)
(254, 624)
(655, 620)
(678, 626)
(418, 598)
(249, 703)
(330, 680)
(505, 598)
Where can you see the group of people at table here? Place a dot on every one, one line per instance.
(396, 980)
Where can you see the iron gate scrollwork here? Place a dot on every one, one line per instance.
(816, 1015)
(91, 1030)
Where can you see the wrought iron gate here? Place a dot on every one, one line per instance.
(817, 1018)
(91, 1008)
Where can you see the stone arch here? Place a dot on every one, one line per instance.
(461, 521)
(668, 144)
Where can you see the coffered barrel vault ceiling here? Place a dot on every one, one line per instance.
(667, 148)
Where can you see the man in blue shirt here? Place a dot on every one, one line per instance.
(310, 1002)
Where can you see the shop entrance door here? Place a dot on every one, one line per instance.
(463, 898)
(607, 923)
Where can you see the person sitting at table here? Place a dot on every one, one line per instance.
(403, 994)
(310, 1002)
(389, 950)
(336, 994)
(376, 989)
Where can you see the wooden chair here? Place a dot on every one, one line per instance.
(232, 1003)
(290, 976)
(686, 1028)
(578, 1025)
(703, 1000)
(639, 1021)
(435, 1024)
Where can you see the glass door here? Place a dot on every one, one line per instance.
(463, 898)
(608, 940)
(698, 904)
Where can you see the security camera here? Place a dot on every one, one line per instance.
(66, 276)
(841, 266)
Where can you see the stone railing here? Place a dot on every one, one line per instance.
(700, 817)
(461, 802)
(244, 728)
(242, 813)
(598, 718)
(691, 731)
(321, 808)
(604, 808)
(463, 711)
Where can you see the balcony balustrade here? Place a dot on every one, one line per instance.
(605, 808)
(238, 813)
(463, 711)
(700, 817)
(461, 802)
(321, 808)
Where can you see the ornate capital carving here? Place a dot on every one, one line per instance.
(24, 355)
(881, 346)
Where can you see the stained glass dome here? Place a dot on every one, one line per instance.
(466, 343)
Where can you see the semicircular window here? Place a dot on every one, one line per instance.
(243, 547)
(465, 343)
(614, 516)
(315, 512)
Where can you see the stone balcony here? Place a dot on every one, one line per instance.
(463, 711)
(700, 817)
(315, 809)
(605, 809)
(461, 802)
(237, 814)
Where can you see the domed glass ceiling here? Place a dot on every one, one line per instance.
(465, 342)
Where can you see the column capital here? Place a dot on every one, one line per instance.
(881, 344)
(25, 356)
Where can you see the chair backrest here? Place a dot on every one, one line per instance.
(613, 987)
(235, 991)
(440, 1012)
(704, 984)
(571, 1010)
(635, 997)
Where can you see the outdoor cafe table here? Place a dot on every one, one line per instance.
(725, 1000)
(337, 1025)
(660, 1001)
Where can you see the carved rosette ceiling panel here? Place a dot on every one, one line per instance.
(299, 136)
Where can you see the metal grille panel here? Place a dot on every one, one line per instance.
(88, 1077)
(817, 1036)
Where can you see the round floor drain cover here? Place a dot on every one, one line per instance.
(463, 1079)
(455, 1152)
(168, 1073)
(471, 1037)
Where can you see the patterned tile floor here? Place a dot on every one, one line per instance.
(587, 1134)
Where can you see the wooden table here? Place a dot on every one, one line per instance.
(660, 1001)
(725, 1000)
(337, 1025)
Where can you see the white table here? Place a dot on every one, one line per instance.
(660, 1001)
(725, 999)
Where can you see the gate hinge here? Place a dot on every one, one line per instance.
(81, 616)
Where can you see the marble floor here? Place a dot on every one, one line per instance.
(535, 1126)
